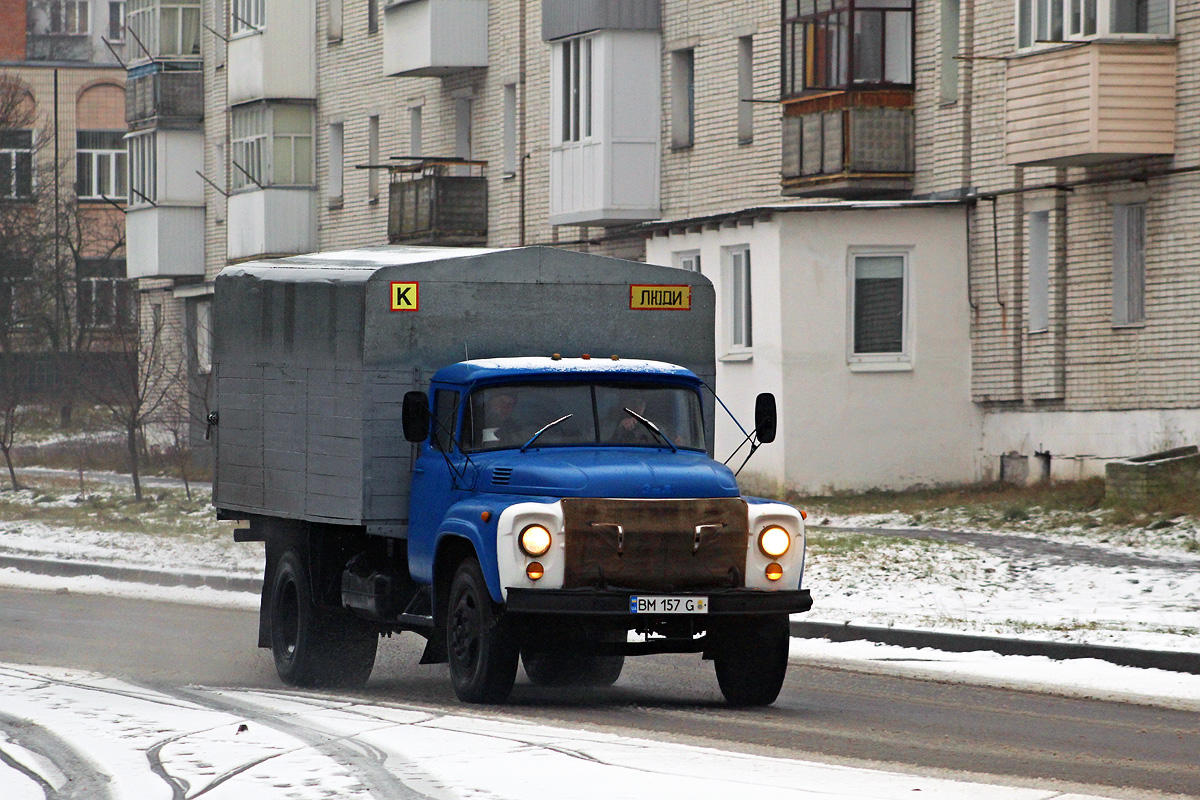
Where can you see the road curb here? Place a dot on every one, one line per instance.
(154, 577)
(966, 643)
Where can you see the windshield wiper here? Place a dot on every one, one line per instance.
(543, 429)
(653, 429)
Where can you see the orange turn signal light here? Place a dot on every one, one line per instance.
(774, 572)
(803, 514)
(535, 571)
(485, 516)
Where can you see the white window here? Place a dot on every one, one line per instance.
(1129, 264)
(739, 319)
(69, 17)
(415, 131)
(204, 336)
(16, 163)
(247, 15)
(688, 259)
(510, 129)
(948, 69)
(745, 107)
(143, 169)
(337, 158)
(116, 20)
(1039, 271)
(272, 146)
(575, 89)
(683, 98)
(166, 27)
(373, 157)
(878, 306)
(100, 164)
(1041, 21)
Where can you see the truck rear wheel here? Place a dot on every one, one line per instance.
(751, 660)
(312, 647)
(482, 650)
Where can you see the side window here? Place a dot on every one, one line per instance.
(878, 310)
(445, 414)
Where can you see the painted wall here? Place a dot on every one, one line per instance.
(846, 425)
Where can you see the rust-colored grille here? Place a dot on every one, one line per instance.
(661, 545)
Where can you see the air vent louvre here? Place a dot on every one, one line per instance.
(502, 475)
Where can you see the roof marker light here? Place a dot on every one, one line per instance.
(556, 357)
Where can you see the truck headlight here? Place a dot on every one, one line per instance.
(774, 541)
(534, 540)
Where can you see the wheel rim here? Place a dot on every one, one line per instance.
(464, 633)
(287, 619)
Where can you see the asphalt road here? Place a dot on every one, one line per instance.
(824, 713)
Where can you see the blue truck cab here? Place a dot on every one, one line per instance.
(515, 508)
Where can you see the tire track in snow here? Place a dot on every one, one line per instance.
(81, 780)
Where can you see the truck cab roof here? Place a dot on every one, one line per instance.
(495, 369)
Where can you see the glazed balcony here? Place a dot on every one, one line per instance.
(438, 201)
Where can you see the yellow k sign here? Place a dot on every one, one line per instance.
(404, 296)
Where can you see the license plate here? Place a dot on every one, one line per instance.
(667, 604)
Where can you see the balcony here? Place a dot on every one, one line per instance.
(429, 204)
(164, 242)
(272, 222)
(852, 145)
(1090, 104)
(276, 60)
(434, 38)
(165, 95)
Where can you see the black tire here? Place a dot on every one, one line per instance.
(312, 647)
(751, 660)
(482, 650)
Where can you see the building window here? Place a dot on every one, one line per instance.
(116, 20)
(1039, 271)
(248, 15)
(462, 127)
(203, 333)
(69, 17)
(333, 26)
(1043, 21)
(373, 158)
(683, 98)
(103, 297)
(575, 89)
(166, 27)
(841, 44)
(16, 164)
(878, 305)
(738, 305)
(18, 299)
(745, 106)
(272, 146)
(143, 169)
(1129, 264)
(337, 159)
(100, 165)
(689, 260)
(372, 16)
(510, 129)
(948, 69)
(415, 131)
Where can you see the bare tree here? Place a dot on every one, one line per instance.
(145, 380)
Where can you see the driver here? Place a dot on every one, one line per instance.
(629, 429)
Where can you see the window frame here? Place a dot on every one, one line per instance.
(99, 286)
(119, 7)
(574, 74)
(258, 145)
(745, 98)
(20, 161)
(1037, 226)
(143, 168)
(683, 98)
(202, 334)
(799, 27)
(737, 280)
(687, 259)
(117, 158)
(1071, 16)
(1129, 274)
(881, 361)
(60, 21)
(247, 17)
(145, 19)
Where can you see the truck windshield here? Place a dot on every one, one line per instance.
(499, 417)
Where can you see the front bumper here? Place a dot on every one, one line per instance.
(615, 603)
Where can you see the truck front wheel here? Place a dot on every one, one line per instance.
(751, 660)
(482, 650)
(312, 647)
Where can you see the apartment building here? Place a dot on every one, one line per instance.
(66, 309)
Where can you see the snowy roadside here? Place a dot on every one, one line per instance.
(65, 727)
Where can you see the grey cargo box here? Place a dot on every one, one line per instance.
(312, 362)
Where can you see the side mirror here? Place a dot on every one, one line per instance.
(416, 416)
(765, 417)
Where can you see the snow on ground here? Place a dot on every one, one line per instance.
(93, 584)
(139, 744)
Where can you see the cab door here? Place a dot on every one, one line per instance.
(441, 477)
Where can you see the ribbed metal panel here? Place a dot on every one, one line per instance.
(562, 18)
